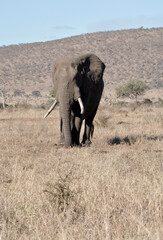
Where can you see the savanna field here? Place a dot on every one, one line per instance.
(111, 190)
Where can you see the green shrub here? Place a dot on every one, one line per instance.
(47, 104)
(147, 101)
(159, 83)
(131, 89)
(18, 92)
(36, 93)
(160, 101)
(23, 105)
(120, 104)
(51, 93)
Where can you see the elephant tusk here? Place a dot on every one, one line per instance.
(81, 105)
(51, 109)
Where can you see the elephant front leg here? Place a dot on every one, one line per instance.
(62, 138)
(76, 131)
(87, 135)
(88, 131)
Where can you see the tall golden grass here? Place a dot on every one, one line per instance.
(111, 190)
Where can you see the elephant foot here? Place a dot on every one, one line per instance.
(86, 143)
(62, 145)
(76, 145)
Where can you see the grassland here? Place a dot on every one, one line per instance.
(111, 190)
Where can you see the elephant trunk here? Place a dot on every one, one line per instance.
(66, 123)
(68, 95)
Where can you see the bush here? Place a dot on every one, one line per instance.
(160, 101)
(23, 105)
(47, 104)
(51, 93)
(60, 195)
(36, 93)
(120, 104)
(131, 89)
(147, 101)
(18, 92)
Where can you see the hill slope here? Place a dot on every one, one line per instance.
(128, 54)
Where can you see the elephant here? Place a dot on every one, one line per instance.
(78, 86)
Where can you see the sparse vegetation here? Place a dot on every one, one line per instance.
(51, 93)
(29, 66)
(36, 93)
(47, 104)
(120, 103)
(111, 190)
(131, 89)
(23, 105)
(147, 101)
(60, 194)
(18, 92)
(159, 83)
(160, 101)
(2, 105)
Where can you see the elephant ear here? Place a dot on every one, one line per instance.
(96, 68)
(90, 65)
(78, 64)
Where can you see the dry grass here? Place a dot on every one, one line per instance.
(106, 191)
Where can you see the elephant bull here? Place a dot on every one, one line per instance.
(78, 86)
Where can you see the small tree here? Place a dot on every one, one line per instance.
(131, 89)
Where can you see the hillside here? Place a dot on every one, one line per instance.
(128, 54)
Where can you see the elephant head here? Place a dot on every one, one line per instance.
(68, 75)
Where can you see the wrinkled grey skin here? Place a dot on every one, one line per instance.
(74, 78)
